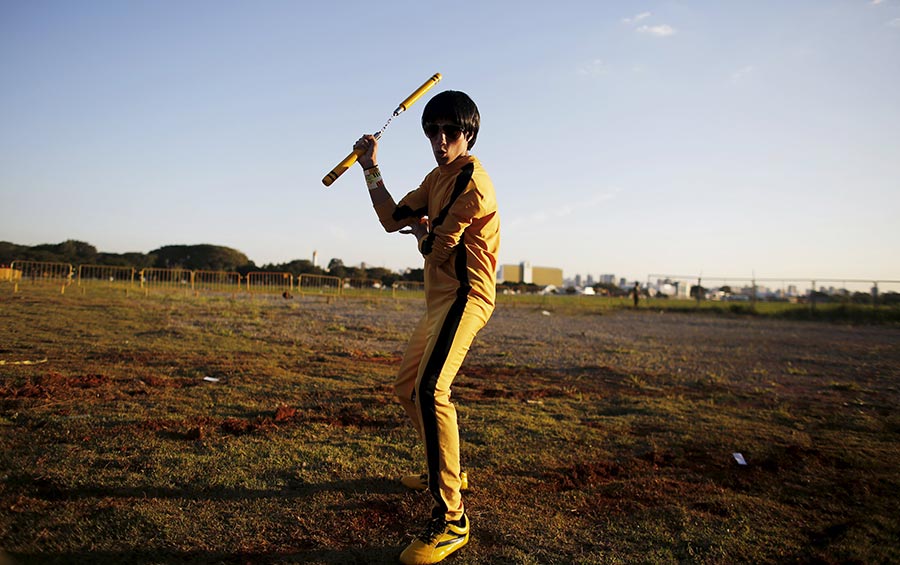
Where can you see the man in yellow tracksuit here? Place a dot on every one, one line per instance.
(453, 214)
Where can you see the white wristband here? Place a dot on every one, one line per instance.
(373, 178)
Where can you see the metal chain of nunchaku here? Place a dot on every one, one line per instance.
(348, 161)
(386, 124)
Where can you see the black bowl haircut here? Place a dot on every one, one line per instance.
(455, 107)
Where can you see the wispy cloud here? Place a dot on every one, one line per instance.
(741, 74)
(876, 2)
(637, 18)
(894, 23)
(594, 68)
(564, 211)
(662, 30)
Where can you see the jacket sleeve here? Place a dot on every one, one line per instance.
(394, 216)
(438, 245)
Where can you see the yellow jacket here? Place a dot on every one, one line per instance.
(461, 247)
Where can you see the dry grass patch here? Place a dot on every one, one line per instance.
(182, 429)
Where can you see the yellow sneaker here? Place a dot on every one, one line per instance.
(420, 482)
(439, 539)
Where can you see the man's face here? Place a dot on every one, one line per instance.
(448, 142)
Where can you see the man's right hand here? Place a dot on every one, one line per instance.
(369, 146)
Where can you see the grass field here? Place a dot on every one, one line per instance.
(219, 429)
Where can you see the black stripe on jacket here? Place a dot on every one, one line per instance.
(462, 181)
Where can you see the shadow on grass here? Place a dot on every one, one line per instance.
(47, 490)
(369, 555)
(302, 549)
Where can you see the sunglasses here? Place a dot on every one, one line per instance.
(451, 131)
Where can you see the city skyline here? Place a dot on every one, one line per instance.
(524, 272)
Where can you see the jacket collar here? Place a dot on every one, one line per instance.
(457, 165)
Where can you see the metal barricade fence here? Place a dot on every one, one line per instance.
(170, 279)
(105, 274)
(408, 289)
(361, 287)
(217, 281)
(266, 282)
(40, 272)
(319, 284)
(8, 274)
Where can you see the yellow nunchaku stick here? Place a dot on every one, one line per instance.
(348, 161)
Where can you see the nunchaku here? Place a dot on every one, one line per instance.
(348, 161)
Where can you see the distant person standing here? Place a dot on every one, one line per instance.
(636, 293)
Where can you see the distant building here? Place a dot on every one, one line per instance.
(546, 276)
(525, 273)
(608, 279)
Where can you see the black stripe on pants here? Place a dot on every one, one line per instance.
(425, 395)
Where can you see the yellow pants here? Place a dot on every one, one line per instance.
(435, 352)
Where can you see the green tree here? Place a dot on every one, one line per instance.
(336, 268)
(295, 267)
(204, 257)
(386, 276)
(133, 259)
(698, 292)
(889, 298)
(10, 252)
(861, 298)
(416, 275)
(69, 251)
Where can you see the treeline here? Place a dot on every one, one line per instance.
(203, 257)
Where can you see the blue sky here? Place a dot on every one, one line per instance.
(622, 137)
